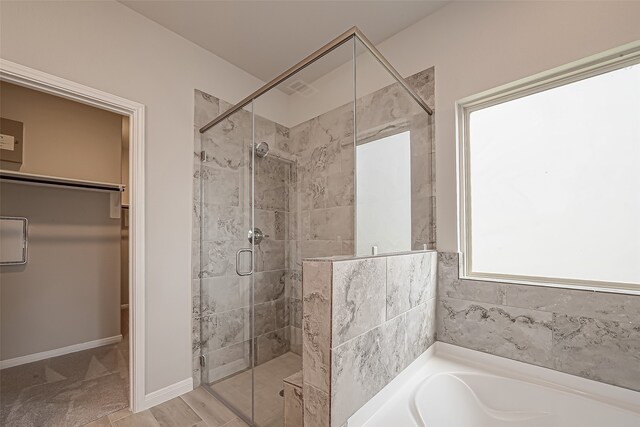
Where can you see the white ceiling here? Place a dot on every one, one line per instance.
(265, 38)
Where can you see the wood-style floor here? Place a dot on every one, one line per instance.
(197, 408)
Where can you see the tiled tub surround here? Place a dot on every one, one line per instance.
(590, 334)
(365, 320)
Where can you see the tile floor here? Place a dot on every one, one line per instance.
(69, 390)
(92, 386)
(269, 405)
(197, 408)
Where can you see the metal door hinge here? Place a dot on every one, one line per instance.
(203, 360)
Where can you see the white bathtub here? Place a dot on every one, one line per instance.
(456, 387)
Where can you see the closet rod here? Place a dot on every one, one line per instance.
(61, 182)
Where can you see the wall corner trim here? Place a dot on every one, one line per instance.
(167, 393)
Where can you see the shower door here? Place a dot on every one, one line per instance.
(227, 261)
(276, 185)
(246, 188)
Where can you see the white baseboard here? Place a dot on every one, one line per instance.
(167, 393)
(21, 360)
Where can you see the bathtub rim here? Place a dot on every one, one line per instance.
(474, 360)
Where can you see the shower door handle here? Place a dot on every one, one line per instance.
(238, 253)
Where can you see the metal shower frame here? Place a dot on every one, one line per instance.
(352, 33)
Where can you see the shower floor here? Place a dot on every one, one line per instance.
(269, 405)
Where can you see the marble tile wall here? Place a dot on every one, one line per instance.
(365, 320)
(594, 335)
(391, 110)
(324, 149)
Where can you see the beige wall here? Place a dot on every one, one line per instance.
(63, 137)
(68, 292)
(476, 46)
(107, 46)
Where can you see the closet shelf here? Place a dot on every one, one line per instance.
(34, 179)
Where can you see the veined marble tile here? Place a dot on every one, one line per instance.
(196, 188)
(421, 221)
(313, 191)
(421, 175)
(359, 297)
(334, 125)
(270, 255)
(220, 294)
(383, 108)
(361, 367)
(420, 329)
(206, 108)
(271, 172)
(196, 370)
(220, 187)
(296, 312)
(316, 324)
(271, 345)
(225, 329)
(321, 160)
(473, 290)
(283, 313)
(316, 407)
(424, 84)
(448, 266)
(294, 284)
(584, 303)
(195, 222)
(265, 130)
(269, 285)
(320, 248)
(224, 222)
(280, 223)
(217, 258)
(601, 350)
(264, 318)
(195, 259)
(340, 190)
(296, 340)
(411, 280)
(299, 136)
(271, 198)
(332, 224)
(226, 150)
(227, 360)
(516, 333)
(283, 139)
(293, 406)
(450, 286)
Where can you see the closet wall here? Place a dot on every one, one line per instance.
(69, 291)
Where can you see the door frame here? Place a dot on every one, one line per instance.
(33, 79)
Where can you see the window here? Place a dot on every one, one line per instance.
(550, 178)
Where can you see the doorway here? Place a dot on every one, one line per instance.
(112, 357)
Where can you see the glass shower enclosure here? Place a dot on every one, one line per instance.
(278, 185)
